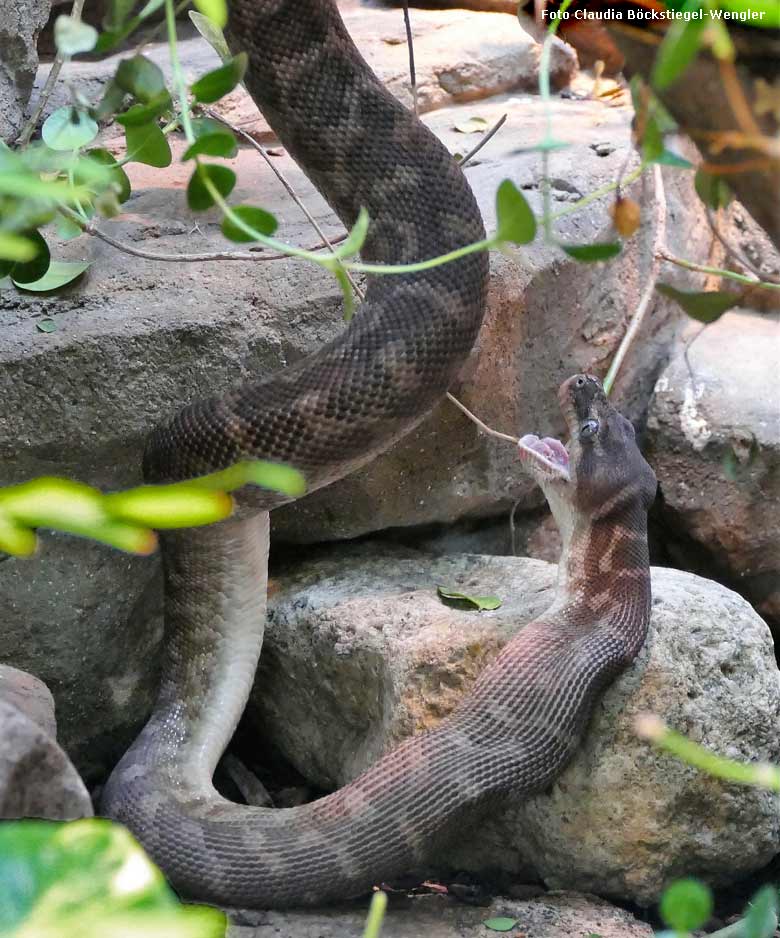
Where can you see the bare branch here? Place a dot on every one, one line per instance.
(491, 133)
(29, 128)
(644, 301)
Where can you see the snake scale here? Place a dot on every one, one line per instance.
(326, 415)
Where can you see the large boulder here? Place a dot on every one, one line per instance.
(20, 23)
(360, 652)
(713, 438)
(37, 779)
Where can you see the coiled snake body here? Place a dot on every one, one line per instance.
(335, 410)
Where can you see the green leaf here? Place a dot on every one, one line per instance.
(704, 306)
(141, 78)
(547, 145)
(214, 85)
(67, 229)
(118, 12)
(46, 325)
(113, 98)
(147, 144)
(71, 36)
(589, 253)
(118, 177)
(220, 143)
(761, 918)
(652, 141)
(354, 241)
(18, 541)
(59, 274)
(686, 905)
(145, 113)
(514, 219)
(681, 43)
(14, 248)
(500, 923)
(263, 222)
(269, 475)
(87, 879)
(169, 506)
(764, 13)
(222, 178)
(473, 125)
(211, 33)
(713, 190)
(669, 158)
(68, 128)
(478, 602)
(24, 272)
(214, 10)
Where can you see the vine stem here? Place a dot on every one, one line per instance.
(51, 79)
(644, 301)
(664, 255)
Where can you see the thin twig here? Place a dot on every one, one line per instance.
(283, 180)
(482, 426)
(410, 47)
(91, 228)
(29, 128)
(637, 319)
(491, 133)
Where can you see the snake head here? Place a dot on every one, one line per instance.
(601, 460)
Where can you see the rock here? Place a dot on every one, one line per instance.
(713, 438)
(37, 779)
(20, 23)
(550, 916)
(80, 616)
(624, 820)
(137, 338)
(360, 653)
(29, 695)
(459, 56)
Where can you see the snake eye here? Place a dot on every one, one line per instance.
(580, 382)
(589, 429)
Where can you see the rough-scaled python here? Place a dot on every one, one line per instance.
(326, 415)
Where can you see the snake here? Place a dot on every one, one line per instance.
(326, 415)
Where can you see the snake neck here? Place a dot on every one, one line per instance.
(604, 573)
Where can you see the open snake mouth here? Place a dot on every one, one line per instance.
(550, 455)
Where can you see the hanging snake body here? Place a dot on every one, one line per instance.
(335, 410)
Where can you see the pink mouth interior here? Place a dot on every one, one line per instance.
(547, 451)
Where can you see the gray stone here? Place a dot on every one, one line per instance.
(20, 23)
(37, 779)
(460, 56)
(713, 438)
(623, 820)
(549, 916)
(360, 652)
(29, 695)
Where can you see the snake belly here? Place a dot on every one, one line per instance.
(326, 415)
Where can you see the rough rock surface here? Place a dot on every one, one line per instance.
(459, 56)
(37, 779)
(29, 694)
(550, 916)
(713, 438)
(360, 652)
(20, 23)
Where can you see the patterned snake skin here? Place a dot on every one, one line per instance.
(337, 409)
